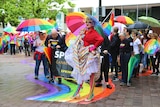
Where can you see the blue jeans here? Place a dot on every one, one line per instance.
(45, 65)
(144, 60)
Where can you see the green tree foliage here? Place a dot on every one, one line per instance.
(15, 9)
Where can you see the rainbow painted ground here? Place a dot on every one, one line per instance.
(64, 91)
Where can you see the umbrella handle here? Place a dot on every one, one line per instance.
(147, 26)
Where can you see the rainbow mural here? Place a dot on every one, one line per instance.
(63, 92)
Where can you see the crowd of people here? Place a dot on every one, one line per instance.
(130, 43)
(18, 44)
(92, 56)
(116, 52)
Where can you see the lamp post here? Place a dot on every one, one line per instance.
(3, 12)
(100, 10)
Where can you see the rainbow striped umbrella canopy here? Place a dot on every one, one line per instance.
(34, 24)
(152, 46)
(124, 19)
(76, 22)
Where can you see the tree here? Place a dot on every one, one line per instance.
(15, 9)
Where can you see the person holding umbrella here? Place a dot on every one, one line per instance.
(133, 65)
(39, 54)
(155, 58)
(84, 57)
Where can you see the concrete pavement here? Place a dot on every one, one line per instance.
(14, 88)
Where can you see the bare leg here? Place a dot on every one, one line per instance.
(76, 94)
(92, 84)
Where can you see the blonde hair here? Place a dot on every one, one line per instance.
(155, 35)
(89, 19)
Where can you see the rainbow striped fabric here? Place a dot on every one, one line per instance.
(108, 26)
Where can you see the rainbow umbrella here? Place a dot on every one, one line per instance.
(131, 65)
(124, 20)
(76, 22)
(10, 29)
(70, 39)
(34, 24)
(152, 46)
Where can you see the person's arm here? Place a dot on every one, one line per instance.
(46, 41)
(106, 44)
(113, 42)
(63, 45)
(140, 45)
(99, 40)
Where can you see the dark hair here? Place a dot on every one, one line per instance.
(129, 31)
(115, 29)
(135, 32)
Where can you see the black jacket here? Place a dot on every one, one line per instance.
(105, 45)
(26, 43)
(114, 45)
(60, 40)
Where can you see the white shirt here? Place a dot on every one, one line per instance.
(136, 44)
(39, 45)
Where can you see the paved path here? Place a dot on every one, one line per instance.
(14, 88)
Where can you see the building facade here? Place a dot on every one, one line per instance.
(131, 8)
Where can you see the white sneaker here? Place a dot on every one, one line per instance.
(153, 74)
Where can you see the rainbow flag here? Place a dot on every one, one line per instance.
(54, 23)
(108, 26)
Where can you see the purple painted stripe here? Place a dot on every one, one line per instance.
(50, 87)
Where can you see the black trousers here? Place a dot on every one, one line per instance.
(114, 64)
(13, 49)
(104, 68)
(154, 64)
(52, 66)
(124, 59)
(27, 50)
(20, 48)
(5, 49)
(32, 49)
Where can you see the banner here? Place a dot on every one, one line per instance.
(63, 68)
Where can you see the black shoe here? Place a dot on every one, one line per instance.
(36, 77)
(59, 80)
(51, 80)
(109, 86)
(99, 80)
(98, 85)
